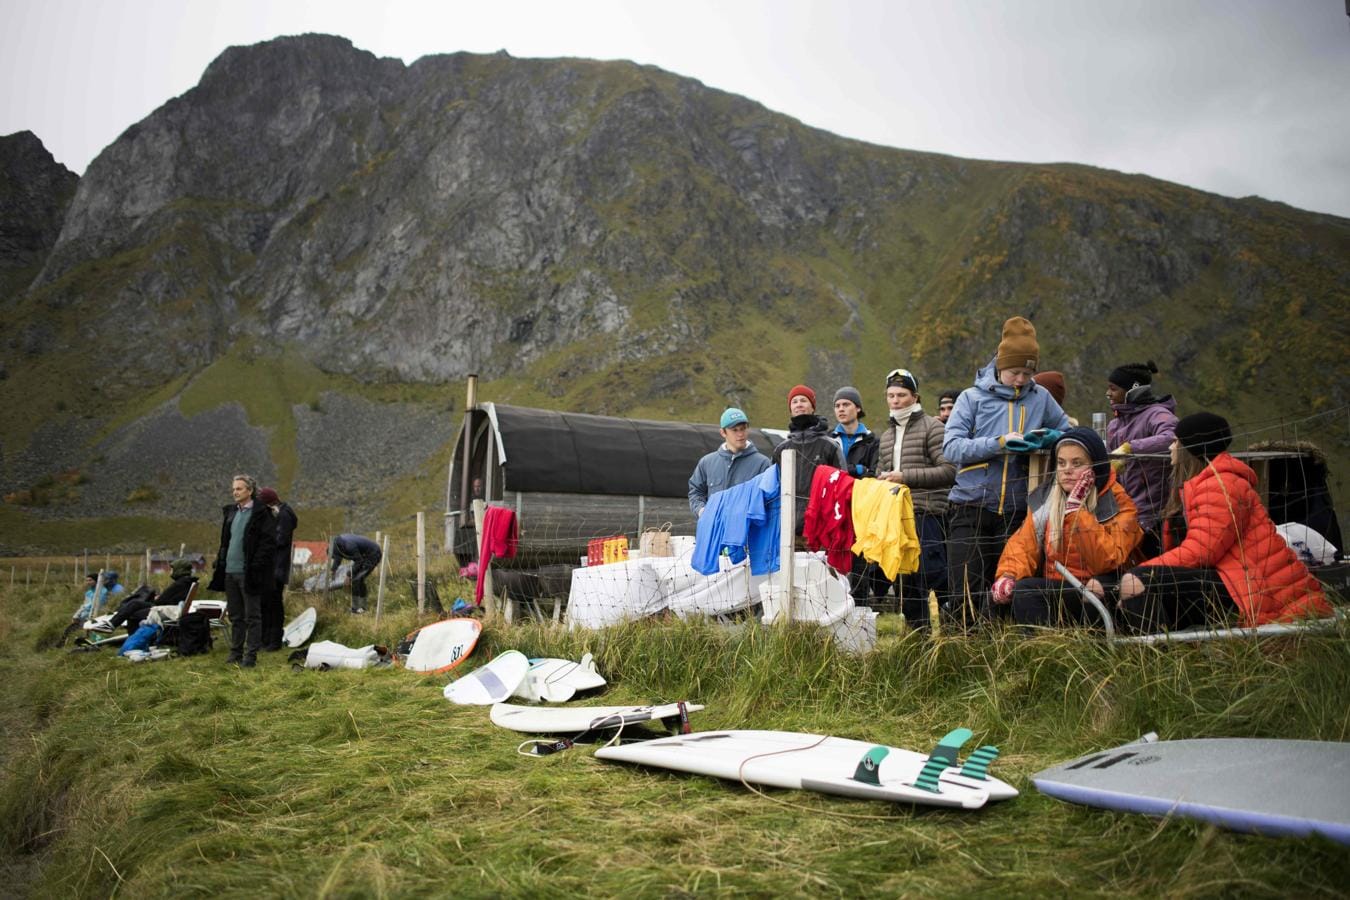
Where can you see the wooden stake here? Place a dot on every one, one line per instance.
(421, 562)
(379, 591)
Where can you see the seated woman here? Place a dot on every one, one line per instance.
(1081, 518)
(1223, 556)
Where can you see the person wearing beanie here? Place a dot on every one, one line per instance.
(857, 444)
(1081, 518)
(1054, 383)
(989, 498)
(273, 601)
(809, 435)
(946, 400)
(910, 453)
(1222, 557)
(1145, 424)
(737, 460)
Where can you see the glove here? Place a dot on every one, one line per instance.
(1002, 590)
(1079, 492)
(1118, 462)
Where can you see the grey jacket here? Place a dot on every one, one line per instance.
(720, 470)
(922, 464)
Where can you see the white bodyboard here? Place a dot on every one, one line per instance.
(491, 683)
(786, 759)
(578, 719)
(300, 628)
(441, 646)
(558, 680)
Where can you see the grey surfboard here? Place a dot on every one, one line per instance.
(1270, 787)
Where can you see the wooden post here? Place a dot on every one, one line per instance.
(787, 528)
(421, 562)
(379, 592)
(98, 601)
(146, 579)
(181, 549)
(45, 572)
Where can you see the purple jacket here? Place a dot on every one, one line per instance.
(1148, 426)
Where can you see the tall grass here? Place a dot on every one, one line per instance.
(188, 776)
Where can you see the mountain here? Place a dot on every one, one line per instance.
(314, 246)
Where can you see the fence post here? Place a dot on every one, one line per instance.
(421, 562)
(379, 592)
(787, 527)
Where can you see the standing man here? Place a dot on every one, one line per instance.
(911, 454)
(365, 556)
(733, 463)
(273, 607)
(858, 445)
(244, 568)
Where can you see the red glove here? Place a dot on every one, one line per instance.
(1002, 590)
(1079, 492)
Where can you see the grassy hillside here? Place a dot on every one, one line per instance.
(188, 775)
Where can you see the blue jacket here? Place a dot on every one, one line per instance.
(720, 470)
(985, 474)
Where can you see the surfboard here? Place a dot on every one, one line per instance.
(829, 765)
(491, 683)
(558, 680)
(300, 628)
(441, 646)
(1272, 787)
(577, 719)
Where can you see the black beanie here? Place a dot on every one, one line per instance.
(1092, 442)
(1204, 434)
(1130, 374)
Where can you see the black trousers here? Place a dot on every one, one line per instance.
(273, 616)
(1175, 599)
(245, 611)
(975, 539)
(1054, 602)
(361, 569)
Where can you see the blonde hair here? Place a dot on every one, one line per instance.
(1055, 505)
(1187, 466)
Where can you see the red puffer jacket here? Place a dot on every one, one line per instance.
(1228, 529)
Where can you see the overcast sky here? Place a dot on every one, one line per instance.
(1238, 97)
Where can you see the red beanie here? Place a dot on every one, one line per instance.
(802, 390)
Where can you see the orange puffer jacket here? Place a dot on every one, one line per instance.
(1228, 529)
(1094, 542)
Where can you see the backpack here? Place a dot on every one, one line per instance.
(194, 634)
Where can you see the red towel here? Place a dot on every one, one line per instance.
(501, 537)
(829, 517)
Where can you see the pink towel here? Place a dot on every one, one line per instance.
(501, 536)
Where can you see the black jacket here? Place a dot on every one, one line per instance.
(260, 547)
(810, 436)
(287, 521)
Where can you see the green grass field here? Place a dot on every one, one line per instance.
(188, 777)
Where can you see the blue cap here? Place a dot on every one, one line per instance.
(733, 416)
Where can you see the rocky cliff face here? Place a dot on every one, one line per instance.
(35, 191)
(613, 238)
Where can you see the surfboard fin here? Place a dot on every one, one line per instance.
(978, 763)
(869, 767)
(942, 757)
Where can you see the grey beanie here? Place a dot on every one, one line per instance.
(851, 394)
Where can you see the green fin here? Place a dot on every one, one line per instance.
(942, 757)
(978, 763)
(869, 767)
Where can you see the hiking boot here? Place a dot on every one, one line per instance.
(248, 662)
(359, 612)
(234, 658)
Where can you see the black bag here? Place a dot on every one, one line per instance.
(194, 634)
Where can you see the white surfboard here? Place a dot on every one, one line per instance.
(558, 680)
(830, 765)
(300, 628)
(491, 683)
(441, 646)
(578, 719)
(1273, 787)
